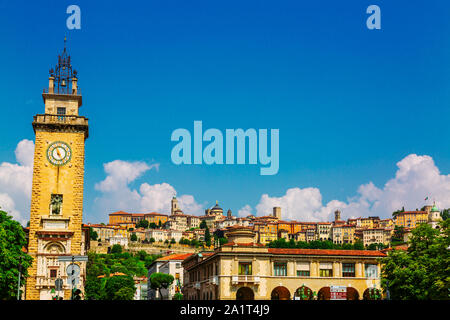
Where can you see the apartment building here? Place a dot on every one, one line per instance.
(245, 270)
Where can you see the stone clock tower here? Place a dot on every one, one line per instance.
(57, 189)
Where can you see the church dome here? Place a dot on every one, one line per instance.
(434, 209)
(216, 208)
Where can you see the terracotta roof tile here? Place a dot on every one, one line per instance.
(172, 257)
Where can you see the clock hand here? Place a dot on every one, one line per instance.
(59, 154)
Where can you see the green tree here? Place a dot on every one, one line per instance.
(160, 281)
(358, 245)
(142, 224)
(172, 241)
(152, 240)
(423, 271)
(117, 248)
(376, 246)
(223, 241)
(177, 296)
(445, 214)
(120, 288)
(134, 237)
(207, 237)
(398, 211)
(93, 234)
(94, 288)
(125, 293)
(153, 225)
(12, 240)
(398, 234)
(203, 224)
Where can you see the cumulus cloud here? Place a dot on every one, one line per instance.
(245, 211)
(416, 177)
(121, 173)
(117, 194)
(15, 182)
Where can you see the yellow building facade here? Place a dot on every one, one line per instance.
(57, 188)
(410, 219)
(243, 270)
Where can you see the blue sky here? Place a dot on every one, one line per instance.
(349, 102)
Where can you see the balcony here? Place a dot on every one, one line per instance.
(245, 279)
(46, 282)
(61, 121)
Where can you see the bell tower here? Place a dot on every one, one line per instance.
(57, 189)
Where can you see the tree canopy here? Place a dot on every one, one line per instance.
(117, 248)
(93, 234)
(207, 237)
(142, 224)
(106, 264)
(12, 240)
(398, 211)
(445, 214)
(160, 281)
(316, 244)
(423, 271)
(119, 288)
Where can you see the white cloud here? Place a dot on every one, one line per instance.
(118, 195)
(416, 178)
(15, 182)
(245, 211)
(121, 173)
(25, 153)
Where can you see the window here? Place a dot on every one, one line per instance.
(61, 113)
(280, 269)
(326, 272)
(326, 269)
(245, 268)
(371, 271)
(53, 273)
(348, 269)
(302, 269)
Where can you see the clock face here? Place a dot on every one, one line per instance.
(59, 153)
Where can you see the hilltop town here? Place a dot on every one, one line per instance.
(179, 228)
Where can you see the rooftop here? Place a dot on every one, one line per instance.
(172, 257)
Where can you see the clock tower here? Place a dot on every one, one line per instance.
(57, 189)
